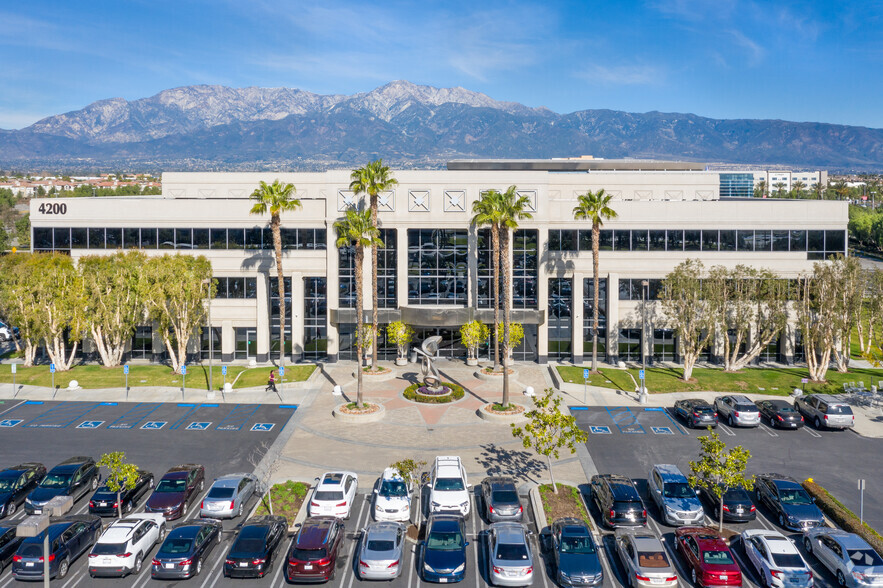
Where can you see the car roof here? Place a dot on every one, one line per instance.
(383, 530)
(445, 522)
(509, 532)
(334, 479)
(777, 402)
(621, 487)
(847, 540)
(184, 467)
(118, 531)
(778, 543)
(21, 468)
(77, 460)
(707, 538)
(314, 532)
(670, 472)
(697, 401)
(741, 398)
(231, 481)
(501, 483)
(264, 520)
(644, 542)
(572, 526)
(781, 480)
(392, 474)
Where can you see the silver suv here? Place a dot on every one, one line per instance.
(825, 411)
(677, 501)
(737, 409)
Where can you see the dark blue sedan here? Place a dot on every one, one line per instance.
(69, 538)
(443, 554)
(575, 553)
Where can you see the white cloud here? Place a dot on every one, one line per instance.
(755, 52)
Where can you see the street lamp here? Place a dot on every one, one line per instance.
(645, 294)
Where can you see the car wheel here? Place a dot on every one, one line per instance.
(730, 420)
(240, 509)
(184, 509)
(150, 483)
(817, 423)
(198, 567)
(95, 483)
(841, 581)
(128, 508)
(161, 535)
(807, 544)
(693, 577)
(62, 569)
(201, 485)
(219, 536)
(782, 521)
(10, 508)
(139, 561)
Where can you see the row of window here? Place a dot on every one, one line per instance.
(236, 288)
(64, 238)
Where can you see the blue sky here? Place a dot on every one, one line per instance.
(803, 61)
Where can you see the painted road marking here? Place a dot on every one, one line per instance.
(726, 430)
(263, 427)
(662, 430)
(62, 415)
(198, 426)
(625, 420)
(90, 424)
(237, 417)
(131, 418)
(154, 425)
(9, 423)
(600, 430)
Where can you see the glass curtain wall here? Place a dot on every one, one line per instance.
(142, 343)
(315, 318)
(560, 324)
(274, 315)
(589, 318)
(437, 266)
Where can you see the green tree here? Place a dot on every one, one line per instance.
(595, 208)
(780, 189)
(487, 212)
(4, 239)
(121, 476)
(841, 189)
(58, 298)
(373, 179)
(400, 335)
(23, 231)
(847, 282)
(760, 191)
(408, 468)
(688, 311)
(548, 430)
(276, 198)
(473, 334)
(798, 187)
(718, 470)
(17, 300)
(356, 230)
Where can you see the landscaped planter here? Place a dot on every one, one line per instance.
(454, 393)
(488, 375)
(400, 361)
(514, 414)
(382, 374)
(369, 413)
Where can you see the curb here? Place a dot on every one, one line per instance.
(390, 375)
(496, 377)
(302, 512)
(536, 504)
(502, 418)
(359, 418)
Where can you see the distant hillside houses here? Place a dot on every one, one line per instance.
(31, 186)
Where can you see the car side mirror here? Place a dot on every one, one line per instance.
(697, 491)
(376, 491)
(468, 486)
(466, 544)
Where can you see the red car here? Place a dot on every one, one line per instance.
(176, 490)
(707, 557)
(314, 550)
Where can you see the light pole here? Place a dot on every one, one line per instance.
(645, 286)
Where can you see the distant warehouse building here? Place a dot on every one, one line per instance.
(434, 269)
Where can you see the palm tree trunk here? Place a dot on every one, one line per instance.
(374, 287)
(596, 236)
(360, 303)
(495, 246)
(504, 250)
(277, 247)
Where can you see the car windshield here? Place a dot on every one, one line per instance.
(381, 545)
(785, 408)
(787, 560)
(393, 488)
(838, 409)
(505, 497)
(220, 493)
(746, 408)
(864, 557)
(678, 490)
(328, 495)
(7, 484)
(307, 554)
(176, 545)
(31, 550)
(718, 557)
(511, 551)
(109, 548)
(577, 545)
(55, 481)
(449, 484)
(171, 486)
(444, 540)
(794, 496)
(248, 545)
(737, 494)
(652, 559)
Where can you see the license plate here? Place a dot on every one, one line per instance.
(327, 509)
(740, 510)
(243, 564)
(722, 577)
(656, 580)
(170, 566)
(443, 580)
(29, 564)
(106, 561)
(630, 515)
(38, 511)
(308, 567)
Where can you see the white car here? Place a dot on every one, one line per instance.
(776, 559)
(124, 545)
(392, 499)
(449, 490)
(334, 495)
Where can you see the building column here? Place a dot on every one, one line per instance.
(612, 318)
(543, 294)
(297, 317)
(401, 267)
(228, 341)
(332, 291)
(263, 319)
(576, 319)
(159, 349)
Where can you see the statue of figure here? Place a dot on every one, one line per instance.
(428, 349)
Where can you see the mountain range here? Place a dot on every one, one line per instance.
(220, 128)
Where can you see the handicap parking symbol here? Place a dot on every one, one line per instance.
(9, 423)
(154, 425)
(263, 427)
(600, 430)
(662, 430)
(90, 424)
(198, 426)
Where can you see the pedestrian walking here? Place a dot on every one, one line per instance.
(271, 383)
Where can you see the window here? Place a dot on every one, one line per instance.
(148, 239)
(559, 323)
(675, 240)
(183, 239)
(386, 270)
(113, 238)
(710, 240)
(200, 238)
(657, 240)
(622, 240)
(274, 313)
(235, 238)
(692, 240)
(166, 238)
(639, 240)
(780, 240)
(236, 287)
(42, 239)
(96, 238)
(745, 240)
(315, 316)
(132, 238)
(346, 263)
(437, 266)
(525, 266)
(142, 343)
(664, 345)
(763, 240)
(589, 318)
(630, 344)
(253, 238)
(210, 348)
(798, 241)
(484, 289)
(563, 240)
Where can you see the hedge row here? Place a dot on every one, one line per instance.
(842, 516)
(456, 394)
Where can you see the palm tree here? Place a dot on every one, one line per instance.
(780, 189)
(594, 207)
(798, 186)
(513, 208)
(819, 189)
(841, 189)
(487, 212)
(373, 179)
(760, 190)
(277, 198)
(355, 229)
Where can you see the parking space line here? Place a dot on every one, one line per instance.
(674, 422)
(211, 571)
(237, 417)
(64, 410)
(769, 431)
(191, 408)
(726, 430)
(625, 414)
(11, 408)
(811, 432)
(353, 565)
(133, 416)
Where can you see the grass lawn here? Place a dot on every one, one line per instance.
(567, 503)
(96, 376)
(775, 381)
(287, 500)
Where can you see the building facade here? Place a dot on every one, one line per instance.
(434, 268)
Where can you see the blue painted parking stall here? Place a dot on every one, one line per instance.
(133, 416)
(626, 420)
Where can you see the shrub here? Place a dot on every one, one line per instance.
(842, 516)
(457, 393)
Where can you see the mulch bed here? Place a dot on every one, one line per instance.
(367, 408)
(378, 372)
(566, 503)
(513, 409)
(491, 372)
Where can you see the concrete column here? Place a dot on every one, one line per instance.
(576, 318)
(612, 318)
(543, 294)
(263, 319)
(297, 316)
(401, 266)
(333, 292)
(228, 341)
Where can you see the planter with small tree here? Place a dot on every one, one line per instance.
(400, 335)
(473, 335)
(516, 335)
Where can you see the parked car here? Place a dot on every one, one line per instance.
(510, 559)
(185, 548)
(618, 501)
(737, 409)
(846, 555)
(69, 538)
(334, 495)
(644, 560)
(7, 333)
(780, 414)
(9, 543)
(124, 545)
(228, 496)
(499, 496)
(73, 477)
(253, 553)
(677, 502)
(577, 562)
(392, 498)
(443, 553)
(176, 490)
(788, 501)
(314, 550)
(776, 559)
(380, 554)
(16, 483)
(708, 557)
(737, 504)
(104, 501)
(449, 490)
(696, 413)
(824, 411)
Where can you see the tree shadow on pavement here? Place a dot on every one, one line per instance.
(521, 464)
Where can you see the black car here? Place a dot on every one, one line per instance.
(185, 548)
(791, 505)
(499, 495)
(104, 501)
(73, 477)
(9, 543)
(780, 414)
(696, 412)
(738, 506)
(69, 538)
(577, 562)
(618, 501)
(255, 547)
(16, 483)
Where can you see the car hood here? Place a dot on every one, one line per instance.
(165, 499)
(803, 512)
(444, 559)
(452, 498)
(41, 495)
(579, 564)
(683, 504)
(392, 502)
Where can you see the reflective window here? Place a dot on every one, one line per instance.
(525, 265)
(763, 240)
(657, 240)
(727, 240)
(622, 240)
(253, 238)
(113, 238)
(166, 238)
(745, 240)
(79, 238)
(273, 286)
(559, 323)
(664, 345)
(639, 240)
(798, 241)
(484, 289)
(315, 315)
(183, 239)
(235, 238)
(780, 240)
(62, 238)
(200, 238)
(96, 238)
(630, 344)
(710, 240)
(437, 266)
(692, 240)
(218, 238)
(142, 343)
(588, 315)
(562, 240)
(236, 287)
(42, 238)
(675, 240)
(148, 238)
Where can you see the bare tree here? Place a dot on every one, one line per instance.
(688, 312)
(265, 467)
